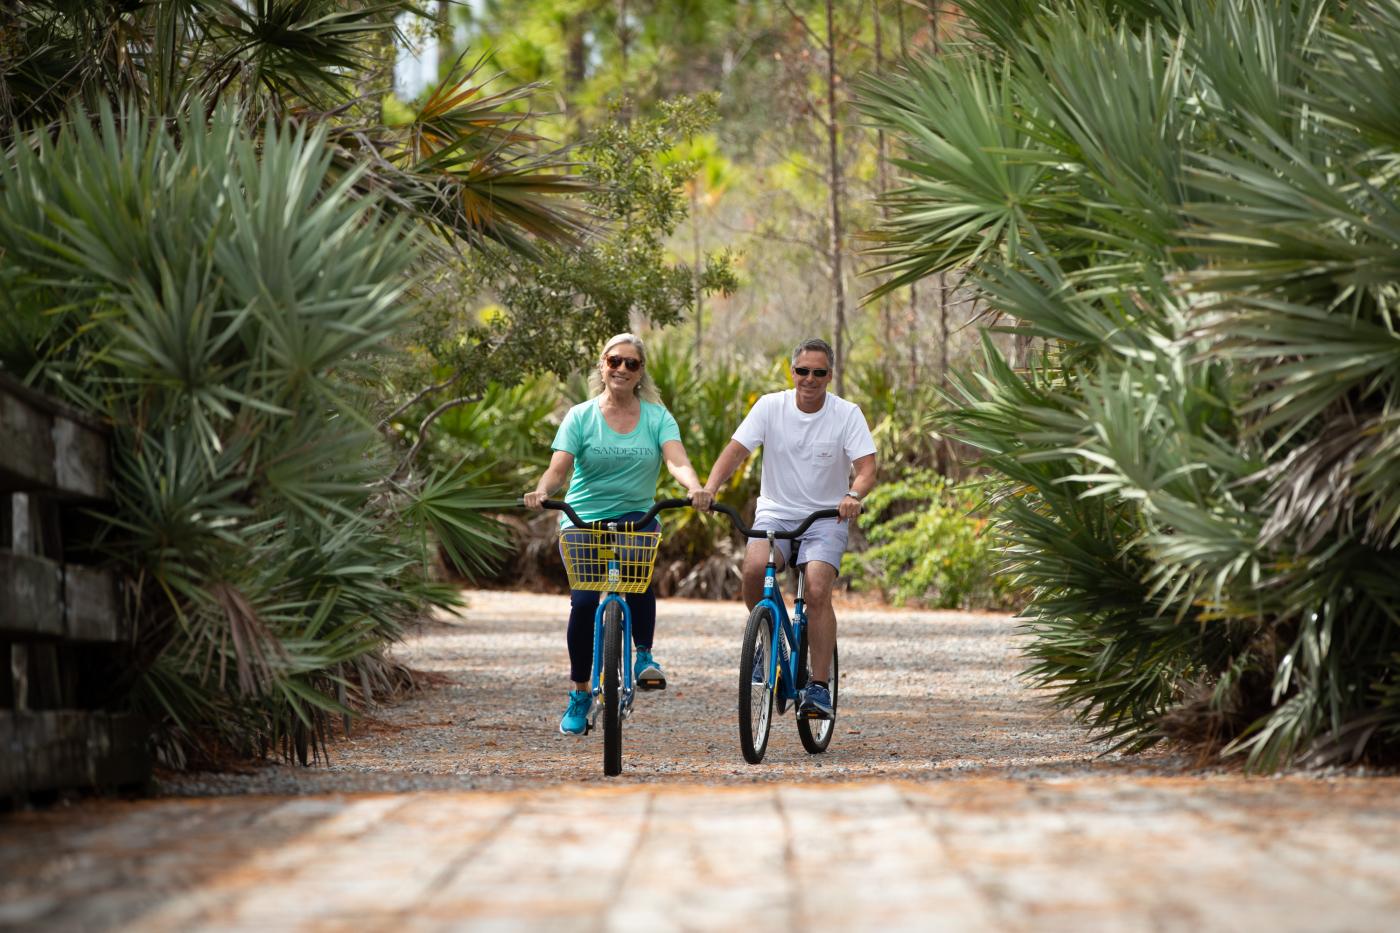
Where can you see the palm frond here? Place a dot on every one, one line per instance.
(1192, 475)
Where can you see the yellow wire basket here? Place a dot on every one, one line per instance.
(587, 552)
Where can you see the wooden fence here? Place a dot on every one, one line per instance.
(62, 631)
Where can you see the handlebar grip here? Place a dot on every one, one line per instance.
(559, 505)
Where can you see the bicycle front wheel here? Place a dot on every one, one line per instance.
(612, 689)
(755, 692)
(816, 733)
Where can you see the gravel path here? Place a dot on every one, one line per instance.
(950, 799)
(924, 696)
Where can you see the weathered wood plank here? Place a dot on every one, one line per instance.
(80, 459)
(11, 753)
(46, 446)
(58, 749)
(90, 608)
(31, 595)
(26, 445)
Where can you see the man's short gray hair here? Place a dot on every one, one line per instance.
(815, 343)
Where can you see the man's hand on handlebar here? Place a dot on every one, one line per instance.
(849, 508)
(701, 498)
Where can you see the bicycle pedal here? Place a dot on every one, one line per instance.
(653, 683)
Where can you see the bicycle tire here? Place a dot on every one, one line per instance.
(612, 690)
(816, 733)
(758, 643)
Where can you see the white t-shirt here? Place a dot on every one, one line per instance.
(806, 457)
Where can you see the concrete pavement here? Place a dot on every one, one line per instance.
(1110, 853)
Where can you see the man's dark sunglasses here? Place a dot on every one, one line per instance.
(804, 371)
(632, 365)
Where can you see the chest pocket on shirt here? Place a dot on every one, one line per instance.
(823, 454)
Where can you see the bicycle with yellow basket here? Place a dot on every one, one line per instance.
(612, 558)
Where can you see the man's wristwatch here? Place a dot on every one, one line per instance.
(853, 494)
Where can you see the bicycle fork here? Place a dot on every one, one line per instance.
(626, 687)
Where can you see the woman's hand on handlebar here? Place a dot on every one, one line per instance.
(534, 500)
(701, 498)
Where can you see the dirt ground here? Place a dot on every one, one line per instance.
(924, 696)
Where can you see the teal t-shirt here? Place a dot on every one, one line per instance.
(613, 473)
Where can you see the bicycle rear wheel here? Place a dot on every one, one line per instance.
(816, 733)
(755, 692)
(612, 689)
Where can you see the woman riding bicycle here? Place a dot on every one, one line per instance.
(611, 448)
(818, 454)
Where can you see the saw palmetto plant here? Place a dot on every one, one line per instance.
(463, 163)
(1195, 207)
(209, 239)
(265, 565)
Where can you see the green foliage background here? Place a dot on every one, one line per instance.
(1186, 213)
(929, 546)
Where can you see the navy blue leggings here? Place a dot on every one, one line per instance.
(583, 604)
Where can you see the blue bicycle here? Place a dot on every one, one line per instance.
(612, 558)
(773, 661)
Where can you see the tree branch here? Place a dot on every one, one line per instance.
(797, 17)
(772, 237)
(419, 397)
(423, 428)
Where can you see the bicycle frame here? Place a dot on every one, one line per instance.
(595, 685)
(787, 631)
(627, 689)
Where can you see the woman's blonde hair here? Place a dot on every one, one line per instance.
(646, 387)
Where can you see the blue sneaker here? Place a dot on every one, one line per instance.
(646, 672)
(575, 721)
(816, 702)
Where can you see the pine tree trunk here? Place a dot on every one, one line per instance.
(695, 267)
(838, 283)
(911, 340)
(882, 171)
(447, 52)
(377, 81)
(575, 68)
(624, 37)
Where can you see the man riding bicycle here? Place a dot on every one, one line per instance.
(818, 454)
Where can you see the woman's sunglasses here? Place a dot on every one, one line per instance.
(632, 364)
(804, 371)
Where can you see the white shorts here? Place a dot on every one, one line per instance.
(824, 541)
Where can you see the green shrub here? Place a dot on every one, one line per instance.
(929, 546)
(507, 433)
(1196, 447)
(219, 301)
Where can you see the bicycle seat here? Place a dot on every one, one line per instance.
(792, 561)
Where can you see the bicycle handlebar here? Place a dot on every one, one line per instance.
(797, 532)
(559, 505)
